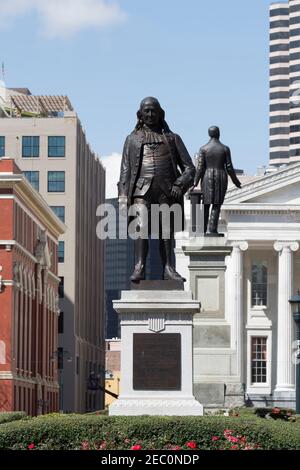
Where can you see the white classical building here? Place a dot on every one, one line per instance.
(244, 334)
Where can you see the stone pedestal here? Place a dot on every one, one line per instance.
(157, 353)
(215, 267)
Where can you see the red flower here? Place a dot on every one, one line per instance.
(276, 411)
(232, 439)
(234, 447)
(191, 445)
(85, 445)
(31, 446)
(136, 447)
(215, 438)
(228, 432)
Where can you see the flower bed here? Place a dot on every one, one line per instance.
(85, 432)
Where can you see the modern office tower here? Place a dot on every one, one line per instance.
(119, 264)
(285, 82)
(45, 136)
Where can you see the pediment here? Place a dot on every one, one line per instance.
(280, 187)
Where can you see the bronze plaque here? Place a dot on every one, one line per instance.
(157, 361)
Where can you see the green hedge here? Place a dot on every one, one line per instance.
(101, 432)
(8, 416)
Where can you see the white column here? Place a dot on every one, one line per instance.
(285, 380)
(236, 292)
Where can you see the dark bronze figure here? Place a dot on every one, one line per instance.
(213, 166)
(152, 158)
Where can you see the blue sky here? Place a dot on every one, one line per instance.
(207, 62)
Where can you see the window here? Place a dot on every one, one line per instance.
(258, 360)
(61, 288)
(279, 12)
(279, 130)
(56, 147)
(279, 83)
(61, 323)
(279, 143)
(56, 181)
(280, 107)
(60, 358)
(34, 178)
(61, 252)
(259, 285)
(280, 59)
(279, 24)
(2, 146)
(59, 211)
(279, 71)
(279, 47)
(30, 147)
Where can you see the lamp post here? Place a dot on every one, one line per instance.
(295, 303)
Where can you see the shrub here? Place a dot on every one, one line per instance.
(8, 416)
(102, 432)
(276, 413)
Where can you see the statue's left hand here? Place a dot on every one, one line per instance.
(176, 193)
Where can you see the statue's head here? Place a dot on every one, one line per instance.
(214, 132)
(151, 114)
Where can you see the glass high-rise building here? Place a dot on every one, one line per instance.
(285, 82)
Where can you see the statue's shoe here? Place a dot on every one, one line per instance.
(138, 274)
(171, 275)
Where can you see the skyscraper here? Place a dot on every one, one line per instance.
(45, 136)
(285, 82)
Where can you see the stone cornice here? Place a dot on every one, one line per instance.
(261, 208)
(265, 184)
(33, 200)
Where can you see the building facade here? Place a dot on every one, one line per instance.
(48, 142)
(284, 82)
(244, 333)
(29, 232)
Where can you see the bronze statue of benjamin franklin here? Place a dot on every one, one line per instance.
(156, 168)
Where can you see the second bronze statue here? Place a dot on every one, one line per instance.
(213, 165)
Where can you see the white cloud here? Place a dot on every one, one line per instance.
(63, 17)
(112, 164)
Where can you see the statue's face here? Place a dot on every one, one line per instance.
(151, 113)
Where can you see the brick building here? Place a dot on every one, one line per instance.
(29, 232)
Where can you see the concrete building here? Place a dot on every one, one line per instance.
(29, 232)
(46, 138)
(244, 333)
(284, 82)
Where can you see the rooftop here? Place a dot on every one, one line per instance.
(19, 102)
